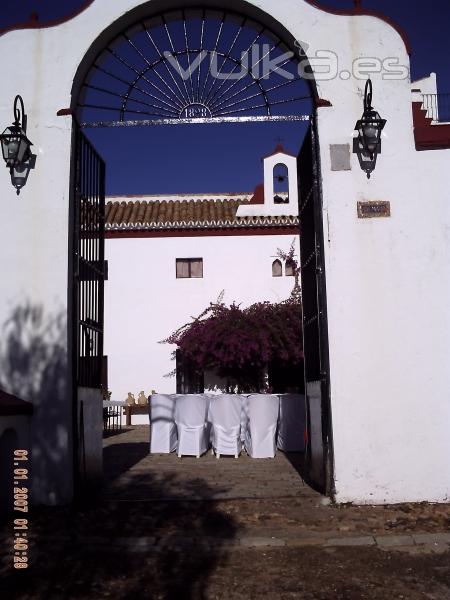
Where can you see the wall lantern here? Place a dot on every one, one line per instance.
(367, 145)
(16, 147)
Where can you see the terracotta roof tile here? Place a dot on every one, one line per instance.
(119, 214)
(141, 212)
(127, 215)
(148, 212)
(155, 209)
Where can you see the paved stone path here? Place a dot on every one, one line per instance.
(270, 504)
(132, 473)
(437, 542)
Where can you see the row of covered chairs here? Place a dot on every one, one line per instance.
(189, 423)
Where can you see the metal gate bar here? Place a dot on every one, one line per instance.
(198, 121)
(319, 457)
(89, 262)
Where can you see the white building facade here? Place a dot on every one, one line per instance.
(146, 299)
(387, 279)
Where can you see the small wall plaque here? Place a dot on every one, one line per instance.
(372, 209)
(340, 157)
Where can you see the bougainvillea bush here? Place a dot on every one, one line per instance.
(238, 343)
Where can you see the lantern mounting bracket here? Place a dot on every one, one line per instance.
(20, 118)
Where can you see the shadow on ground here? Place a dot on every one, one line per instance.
(94, 552)
(297, 460)
(118, 458)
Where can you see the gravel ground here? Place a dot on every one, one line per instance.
(208, 573)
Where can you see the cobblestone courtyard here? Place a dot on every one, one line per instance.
(189, 528)
(132, 473)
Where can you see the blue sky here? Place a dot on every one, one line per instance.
(224, 158)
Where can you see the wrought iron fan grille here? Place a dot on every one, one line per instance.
(196, 65)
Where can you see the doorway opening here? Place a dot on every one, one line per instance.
(159, 101)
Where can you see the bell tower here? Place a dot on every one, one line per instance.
(280, 196)
(280, 182)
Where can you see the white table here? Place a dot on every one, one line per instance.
(113, 411)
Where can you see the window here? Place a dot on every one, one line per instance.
(280, 184)
(188, 268)
(277, 269)
(289, 268)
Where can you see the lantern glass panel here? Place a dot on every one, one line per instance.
(23, 147)
(371, 137)
(10, 144)
(19, 175)
(15, 146)
(359, 129)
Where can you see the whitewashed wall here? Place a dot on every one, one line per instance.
(388, 280)
(145, 302)
(388, 287)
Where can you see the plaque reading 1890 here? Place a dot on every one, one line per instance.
(370, 210)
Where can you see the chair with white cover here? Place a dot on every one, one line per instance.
(225, 417)
(193, 429)
(244, 416)
(291, 424)
(163, 431)
(262, 425)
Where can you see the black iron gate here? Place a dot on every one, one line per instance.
(319, 458)
(88, 262)
(88, 270)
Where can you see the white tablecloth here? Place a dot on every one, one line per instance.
(116, 403)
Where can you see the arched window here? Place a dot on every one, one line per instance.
(289, 269)
(277, 269)
(280, 184)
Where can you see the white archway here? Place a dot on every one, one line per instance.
(381, 367)
(115, 41)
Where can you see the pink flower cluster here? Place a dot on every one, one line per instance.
(239, 343)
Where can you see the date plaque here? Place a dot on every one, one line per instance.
(373, 209)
